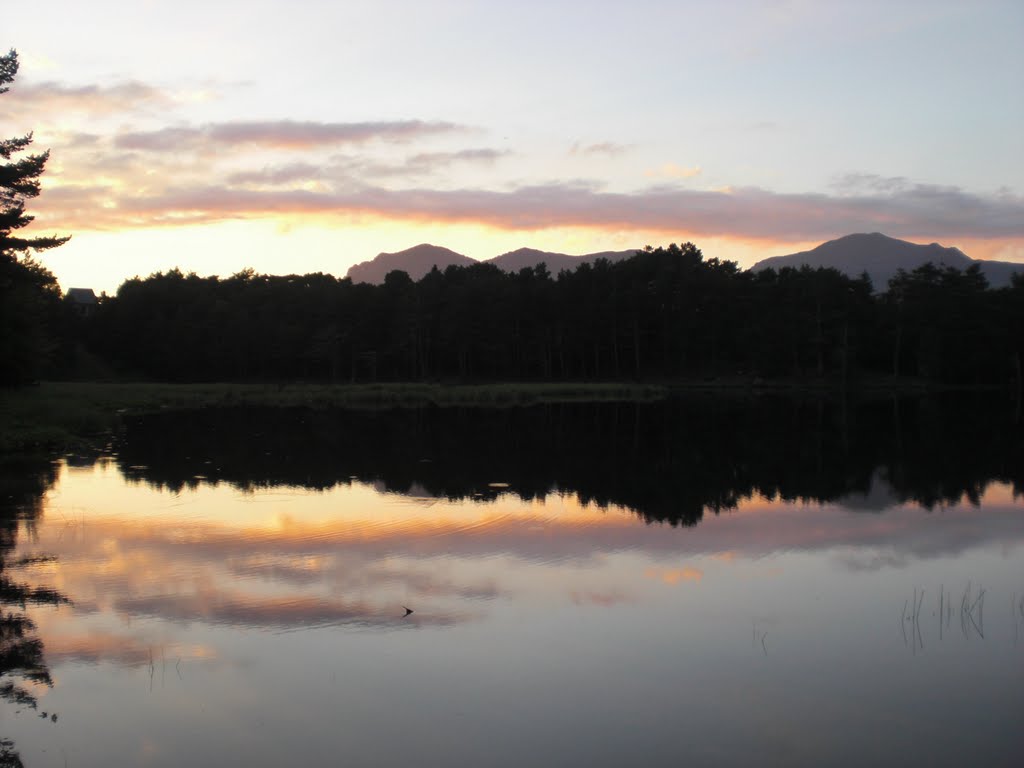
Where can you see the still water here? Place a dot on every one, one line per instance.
(705, 582)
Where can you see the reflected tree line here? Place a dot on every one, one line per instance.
(668, 461)
(665, 313)
(23, 481)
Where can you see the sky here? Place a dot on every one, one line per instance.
(308, 136)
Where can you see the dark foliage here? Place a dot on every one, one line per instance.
(29, 296)
(669, 461)
(666, 313)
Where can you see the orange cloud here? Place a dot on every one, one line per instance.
(93, 647)
(742, 213)
(344, 569)
(675, 575)
(673, 171)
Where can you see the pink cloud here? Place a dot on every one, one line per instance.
(92, 99)
(605, 599)
(608, 148)
(283, 134)
(216, 607)
(138, 169)
(748, 213)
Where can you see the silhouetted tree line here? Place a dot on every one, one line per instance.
(668, 461)
(665, 313)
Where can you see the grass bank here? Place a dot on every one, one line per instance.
(65, 413)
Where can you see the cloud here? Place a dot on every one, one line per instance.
(355, 559)
(347, 169)
(224, 607)
(57, 97)
(853, 183)
(350, 572)
(82, 139)
(305, 571)
(608, 148)
(923, 210)
(428, 162)
(182, 175)
(674, 576)
(280, 134)
(96, 646)
(872, 561)
(277, 175)
(605, 599)
(674, 171)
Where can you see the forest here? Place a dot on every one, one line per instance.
(667, 314)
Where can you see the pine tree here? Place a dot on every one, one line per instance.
(28, 291)
(19, 180)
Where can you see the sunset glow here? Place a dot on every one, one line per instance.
(359, 138)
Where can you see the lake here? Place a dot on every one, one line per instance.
(712, 581)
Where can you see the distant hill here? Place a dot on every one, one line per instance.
(416, 261)
(881, 256)
(419, 260)
(513, 261)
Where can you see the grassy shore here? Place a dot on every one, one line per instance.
(60, 414)
(63, 414)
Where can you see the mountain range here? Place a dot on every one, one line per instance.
(881, 257)
(878, 255)
(419, 260)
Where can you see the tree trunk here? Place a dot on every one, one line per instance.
(897, 349)
(845, 354)
(636, 346)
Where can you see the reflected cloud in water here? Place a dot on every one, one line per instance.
(214, 607)
(300, 570)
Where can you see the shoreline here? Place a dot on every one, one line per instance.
(55, 415)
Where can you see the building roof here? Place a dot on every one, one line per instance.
(82, 295)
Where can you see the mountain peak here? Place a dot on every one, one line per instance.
(416, 262)
(882, 256)
(522, 258)
(422, 248)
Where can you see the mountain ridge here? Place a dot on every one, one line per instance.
(882, 256)
(416, 262)
(420, 259)
(877, 254)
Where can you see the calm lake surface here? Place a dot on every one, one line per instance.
(704, 581)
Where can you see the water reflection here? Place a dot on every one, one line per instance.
(23, 668)
(239, 581)
(669, 461)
